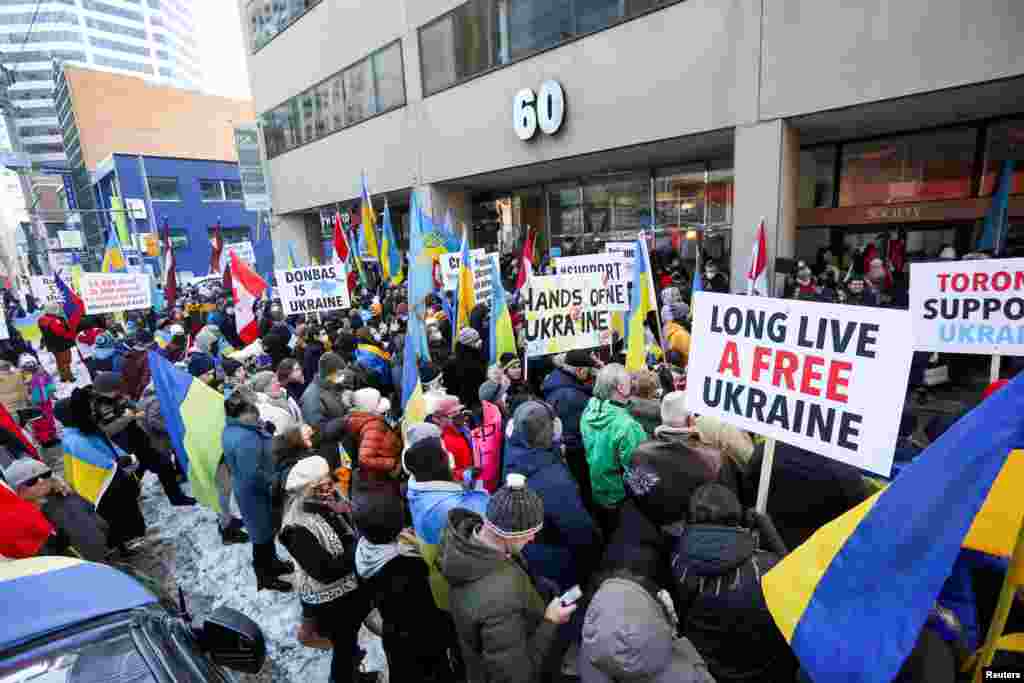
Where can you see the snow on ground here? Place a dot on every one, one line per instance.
(183, 548)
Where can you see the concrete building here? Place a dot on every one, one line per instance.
(832, 120)
(169, 151)
(153, 39)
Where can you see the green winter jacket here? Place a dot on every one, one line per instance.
(610, 434)
(498, 613)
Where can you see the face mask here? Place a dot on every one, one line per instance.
(229, 311)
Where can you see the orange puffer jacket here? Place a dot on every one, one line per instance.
(379, 447)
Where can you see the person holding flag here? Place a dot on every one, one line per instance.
(59, 325)
(641, 304)
(247, 288)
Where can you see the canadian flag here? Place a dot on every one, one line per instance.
(247, 287)
(757, 272)
(525, 262)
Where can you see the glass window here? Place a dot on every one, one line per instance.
(211, 190)
(679, 196)
(720, 193)
(324, 120)
(387, 68)
(358, 92)
(112, 10)
(40, 18)
(537, 24)
(44, 149)
(437, 54)
(118, 46)
(817, 177)
(164, 189)
(18, 37)
(101, 660)
(337, 86)
(308, 110)
(459, 44)
(1005, 143)
(233, 190)
(566, 209)
(267, 18)
(295, 122)
(921, 167)
(122, 64)
(619, 202)
(592, 15)
(111, 27)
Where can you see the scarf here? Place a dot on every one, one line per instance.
(371, 557)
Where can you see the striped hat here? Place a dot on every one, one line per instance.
(514, 511)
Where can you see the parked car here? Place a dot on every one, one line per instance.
(73, 621)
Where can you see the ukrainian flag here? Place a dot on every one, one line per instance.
(113, 257)
(375, 359)
(292, 261)
(390, 258)
(640, 305)
(120, 219)
(369, 224)
(90, 462)
(503, 338)
(852, 600)
(414, 408)
(194, 414)
(465, 294)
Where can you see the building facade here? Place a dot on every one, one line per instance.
(589, 120)
(104, 115)
(152, 39)
(191, 197)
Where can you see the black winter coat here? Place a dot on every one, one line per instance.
(465, 373)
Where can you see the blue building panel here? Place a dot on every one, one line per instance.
(190, 217)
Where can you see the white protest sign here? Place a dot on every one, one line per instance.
(626, 250)
(450, 267)
(313, 289)
(111, 292)
(244, 250)
(45, 291)
(482, 267)
(830, 379)
(5, 333)
(968, 306)
(618, 273)
(565, 313)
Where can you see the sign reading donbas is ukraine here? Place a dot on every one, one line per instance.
(314, 289)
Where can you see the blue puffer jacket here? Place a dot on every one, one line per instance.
(569, 399)
(247, 453)
(569, 545)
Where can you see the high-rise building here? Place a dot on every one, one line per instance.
(148, 38)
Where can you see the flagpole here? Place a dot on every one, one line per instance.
(993, 372)
(1002, 612)
(767, 463)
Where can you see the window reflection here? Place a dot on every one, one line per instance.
(267, 18)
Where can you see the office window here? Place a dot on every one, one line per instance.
(118, 47)
(111, 10)
(111, 27)
(40, 18)
(44, 149)
(537, 24)
(211, 190)
(166, 72)
(35, 113)
(324, 117)
(267, 18)
(390, 79)
(41, 37)
(122, 64)
(358, 91)
(25, 76)
(31, 3)
(30, 94)
(154, 4)
(337, 86)
(921, 167)
(164, 189)
(233, 190)
(162, 54)
(307, 115)
(459, 44)
(29, 56)
(32, 131)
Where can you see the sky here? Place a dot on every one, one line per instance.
(223, 56)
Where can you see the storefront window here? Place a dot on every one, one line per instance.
(720, 193)
(1005, 143)
(922, 167)
(565, 203)
(617, 203)
(679, 195)
(817, 177)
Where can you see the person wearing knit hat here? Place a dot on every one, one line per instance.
(568, 389)
(451, 416)
(676, 336)
(378, 447)
(469, 337)
(202, 367)
(500, 617)
(322, 402)
(432, 379)
(466, 369)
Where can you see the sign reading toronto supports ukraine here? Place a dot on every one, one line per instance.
(968, 306)
(830, 379)
(112, 292)
(314, 289)
(565, 313)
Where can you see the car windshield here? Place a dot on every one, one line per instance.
(115, 659)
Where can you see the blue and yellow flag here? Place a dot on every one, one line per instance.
(639, 306)
(503, 337)
(90, 461)
(993, 234)
(465, 294)
(852, 600)
(194, 414)
(113, 257)
(369, 224)
(120, 218)
(293, 262)
(421, 275)
(390, 257)
(414, 407)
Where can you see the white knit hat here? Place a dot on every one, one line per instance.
(673, 410)
(367, 400)
(305, 472)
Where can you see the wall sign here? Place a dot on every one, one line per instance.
(545, 109)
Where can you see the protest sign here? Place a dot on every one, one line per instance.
(313, 289)
(827, 378)
(482, 266)
(483, 285)
(616, 271)
(968, 306)
(565, 313)
(626, 250)
(5, 332)
(44, 289)
(112, 292)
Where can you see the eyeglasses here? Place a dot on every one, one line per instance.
(28, 483)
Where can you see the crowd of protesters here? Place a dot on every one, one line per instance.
(469, 531)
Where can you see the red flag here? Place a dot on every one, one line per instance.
(23, 528)
(170, 270)
(526, 262)
(757, 276)
(217, 248)
(340, 241)
(247, 287)
(12, 428)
